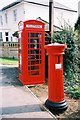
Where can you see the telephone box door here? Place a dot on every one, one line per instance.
(34, 53)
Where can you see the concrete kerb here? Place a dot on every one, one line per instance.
(8, 65)
(41, 104)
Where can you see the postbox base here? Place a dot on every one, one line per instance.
(56, 107)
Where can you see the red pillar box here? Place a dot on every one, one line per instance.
(55, 101)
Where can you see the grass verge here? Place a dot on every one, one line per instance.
(8, 61)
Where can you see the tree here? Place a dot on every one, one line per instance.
(77, 28)
(67, 36)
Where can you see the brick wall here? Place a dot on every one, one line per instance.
(9, 49)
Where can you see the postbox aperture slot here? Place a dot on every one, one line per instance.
(58, 59)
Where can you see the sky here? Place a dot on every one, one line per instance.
(69, 3)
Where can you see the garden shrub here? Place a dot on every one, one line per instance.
(66, 36)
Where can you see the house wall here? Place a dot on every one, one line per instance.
(33, 11)
(11, 26)
(63, 17)
(79, 8)
(26, 11)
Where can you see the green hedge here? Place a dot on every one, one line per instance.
(66, 36)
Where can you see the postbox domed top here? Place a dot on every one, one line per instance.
(55, 48)
(56, 45)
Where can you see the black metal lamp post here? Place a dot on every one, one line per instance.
(51, 19)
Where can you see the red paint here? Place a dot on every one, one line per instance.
(55, 71)
(31, 49)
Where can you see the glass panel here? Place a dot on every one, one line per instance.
(6, 33)
(6, 18)
(7, 39)
(0, 35)
(15, 15)
(34, 53)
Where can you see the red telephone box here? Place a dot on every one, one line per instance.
(31, 54)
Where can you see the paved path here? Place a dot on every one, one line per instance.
(16, 101)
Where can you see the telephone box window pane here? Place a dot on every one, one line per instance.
(31, 62)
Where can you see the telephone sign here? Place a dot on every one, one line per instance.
(34, 26)
(31, 52)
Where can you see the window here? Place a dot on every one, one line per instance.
(6, 18)
(15, 15)
(11, 38)
(1, 21)
(7, 36)
(1, 36)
